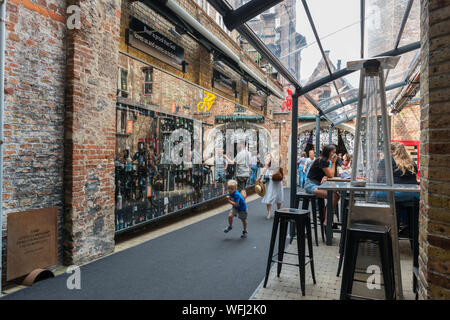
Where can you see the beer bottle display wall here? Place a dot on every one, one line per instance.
(148, 184)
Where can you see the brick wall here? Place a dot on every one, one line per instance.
(434, 254)
(406, 124)
(92, 63)
(34, 108)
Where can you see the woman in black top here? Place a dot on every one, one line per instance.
(321, 169)
(404, 172)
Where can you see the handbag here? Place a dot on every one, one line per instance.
(278, 175)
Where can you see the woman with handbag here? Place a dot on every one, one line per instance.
(274, 193)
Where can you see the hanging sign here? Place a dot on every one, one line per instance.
(207, 102)
(287, 103)
(143, 37)
(129, 126)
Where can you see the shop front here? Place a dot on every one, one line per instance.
(170, 144)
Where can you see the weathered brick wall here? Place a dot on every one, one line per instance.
(34, 108)
(92, 63)
(406, 124)
(434, 254)
(200, 61)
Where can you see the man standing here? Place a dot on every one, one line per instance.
(242, 162)
(221, 165)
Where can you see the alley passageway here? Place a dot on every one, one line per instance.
(198, 261)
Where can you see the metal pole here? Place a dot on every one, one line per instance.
(2, 101)
(330, 128)
(390, 182)
(317, 135)
(294, 148)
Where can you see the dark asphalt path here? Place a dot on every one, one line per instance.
(198, 262)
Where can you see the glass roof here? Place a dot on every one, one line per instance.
(313, 43)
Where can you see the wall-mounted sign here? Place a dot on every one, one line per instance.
(129, 126)
(257, 101)
(207, 102)
(32, 241)
(146, 39)
(224, 83)
(287, 103)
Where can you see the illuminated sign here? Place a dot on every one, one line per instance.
(287, 104)
(206, 103)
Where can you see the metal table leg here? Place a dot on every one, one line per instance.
(329, 228)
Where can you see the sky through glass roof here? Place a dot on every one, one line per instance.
(287, 31)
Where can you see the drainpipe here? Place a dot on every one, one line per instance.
(2, 101)
(213, 39)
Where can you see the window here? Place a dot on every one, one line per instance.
(122, 86)
(148, 82)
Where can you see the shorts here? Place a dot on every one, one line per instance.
(310, 186)
(242, 182)
(240, 214)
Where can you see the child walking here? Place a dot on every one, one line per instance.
(239, 208)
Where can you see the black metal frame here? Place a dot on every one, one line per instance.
(237, 18)
(246, 12)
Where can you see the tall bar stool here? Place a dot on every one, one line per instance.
(342, 241)
(302, 221)
(305, 198)
(363, 232)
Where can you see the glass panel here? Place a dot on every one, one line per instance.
(179, 146)
(411, 32)
(383, 19)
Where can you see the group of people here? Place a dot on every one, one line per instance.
(343, 165)
(247, 166)
(315, 172)
(326, 166)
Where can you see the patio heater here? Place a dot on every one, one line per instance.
(372, 146)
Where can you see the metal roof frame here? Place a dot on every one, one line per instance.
(238, 17)
(246, 12)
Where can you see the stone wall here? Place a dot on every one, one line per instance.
(92, 63)
(34, 108)
(434, 219)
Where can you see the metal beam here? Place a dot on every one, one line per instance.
(400, 30)
(343, 72)
(363, 18)
(317, 135)
(244, 13)
(349, 101)
(319, 43)
(294, 149)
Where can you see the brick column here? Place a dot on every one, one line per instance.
(92, 64)
(434, 220)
